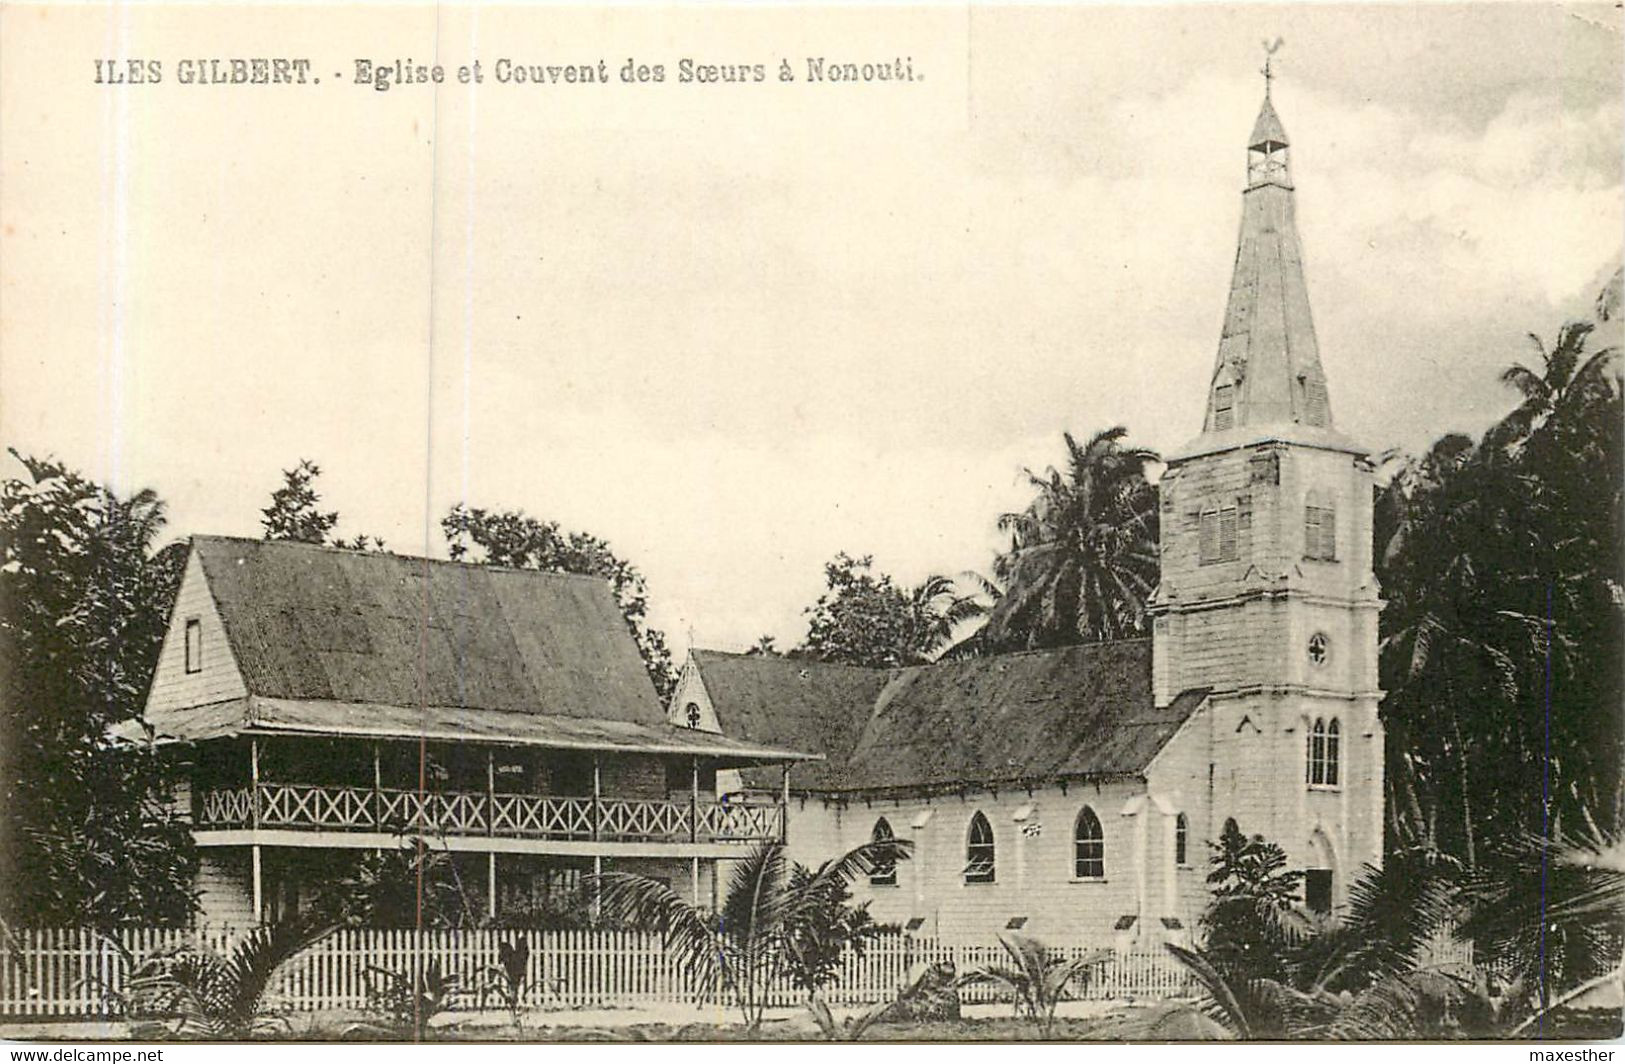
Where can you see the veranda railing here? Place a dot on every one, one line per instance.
(323, 808)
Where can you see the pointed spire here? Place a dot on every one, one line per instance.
(1268, 368)
(1268, 133)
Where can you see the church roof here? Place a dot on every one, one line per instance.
(810, 705)
(1070, 713)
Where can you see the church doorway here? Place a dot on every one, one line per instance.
(1319, 879)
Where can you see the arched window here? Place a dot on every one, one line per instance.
(1324, 741)
(884, 872)
(1182, 832)
(1088, 847)
(691, 713)
(979, 851)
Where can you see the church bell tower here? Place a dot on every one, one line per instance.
(1267, 595)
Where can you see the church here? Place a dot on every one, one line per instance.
(319, 703)
(1072, 794)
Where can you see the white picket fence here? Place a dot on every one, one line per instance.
(82, 973)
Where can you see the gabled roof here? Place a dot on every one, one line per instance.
(315, 623)
(341, 642)
(1075, 712)
(805, 705)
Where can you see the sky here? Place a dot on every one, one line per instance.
(736, 328)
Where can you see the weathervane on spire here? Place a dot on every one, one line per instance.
(1269, 55)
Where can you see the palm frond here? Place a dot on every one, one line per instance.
(646, 904)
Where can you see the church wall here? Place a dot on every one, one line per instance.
(1181, 779)
(1034, 864)
(1259, 755)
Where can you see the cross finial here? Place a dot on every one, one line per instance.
(1269, 55)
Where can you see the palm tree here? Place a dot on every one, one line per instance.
(1082, 561)
(935, 611)
(1552, 914)
(1035, 977)
(769, 916)
(1567, 377)
(222, 997)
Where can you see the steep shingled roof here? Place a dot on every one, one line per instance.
(313, 623)
(806, 705)
(1075, 712)
(339, 642)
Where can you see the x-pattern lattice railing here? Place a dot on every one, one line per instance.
(303, 806)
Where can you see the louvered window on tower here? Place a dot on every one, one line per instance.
(1219, 536)
(1320, 533)
(1314, 401)
(1224, 414)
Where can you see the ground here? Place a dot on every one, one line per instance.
(1080, 1021)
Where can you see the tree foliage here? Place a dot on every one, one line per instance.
(87, 836)
(1504, 569)
(515, 539)
(412, 885)
(293, 514)
(1082, 561)
(776, 919)
(1252, 918)
(864, 618)
(828, 927)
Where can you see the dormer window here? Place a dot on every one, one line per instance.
(1224, 401)
(1219, 541)
(692, 714)
(194, 645)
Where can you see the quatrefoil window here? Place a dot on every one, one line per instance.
(1320, 649)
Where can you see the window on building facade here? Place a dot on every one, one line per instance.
(1320, 532)
(1219, 541)
(194, 645)
(1088, 847)
(1224, 402)
(1182, 831)
(884, 872)
(692, 714)
(1317, 889)
(1323, 753)
(979, 851)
